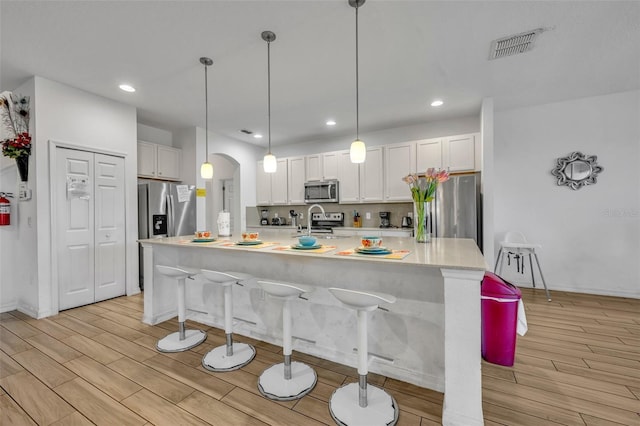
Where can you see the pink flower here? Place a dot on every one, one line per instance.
(442, 176)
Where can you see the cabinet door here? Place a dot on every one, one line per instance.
(263, 186)
(372, 176)
(296, 180)
(428, 154)
(349, 177)
(460, 153)
(279, 183)
(399, 161)
(146, 159)
(314, 167)
(330, 165)
(168, 162)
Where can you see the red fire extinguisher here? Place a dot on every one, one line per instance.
(5, 209)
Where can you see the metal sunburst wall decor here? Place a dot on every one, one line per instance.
(577, 170)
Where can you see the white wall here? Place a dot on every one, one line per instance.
(71, 116)
(590, 237)
(155, 135)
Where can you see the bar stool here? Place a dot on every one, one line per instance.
(355, 403)
(181, 340)
(230, 356)
(515, 244)
(288, 380)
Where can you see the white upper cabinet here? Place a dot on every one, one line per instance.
(322, 166)
(372, 176)
(272, 188)
(361, 182)
(428, 154)
(455, 153)
(349, 178)
(459, 152)
(399, 161)
(159, 161)
(296, 180)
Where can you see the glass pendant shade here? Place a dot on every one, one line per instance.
(206, 170)
(270, 164)
(358, 151)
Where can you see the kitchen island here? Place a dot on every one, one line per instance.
(430, 337)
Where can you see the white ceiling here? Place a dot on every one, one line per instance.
(411, 52)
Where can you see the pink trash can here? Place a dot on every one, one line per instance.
(499, 307)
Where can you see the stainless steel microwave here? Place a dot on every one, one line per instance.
(321, 192)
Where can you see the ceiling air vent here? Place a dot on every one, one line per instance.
(246, 132)
(512, 45)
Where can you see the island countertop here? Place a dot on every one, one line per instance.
(454, 253)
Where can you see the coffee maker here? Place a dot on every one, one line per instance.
(264, 214)
(385, 219)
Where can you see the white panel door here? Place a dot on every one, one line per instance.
(75, 226)
(296, 180)
(429, 154)
(372, 176)
(109, 227)
(349, 178)
(90, 218)
(399, 161)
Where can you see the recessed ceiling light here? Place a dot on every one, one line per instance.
(127, 88)
(330, 123)
(437, 103)
(257, 136)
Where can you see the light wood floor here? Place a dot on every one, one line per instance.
(579, 364)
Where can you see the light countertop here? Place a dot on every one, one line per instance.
(455, 253)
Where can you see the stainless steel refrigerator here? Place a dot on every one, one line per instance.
(164, 210)
(457, 208)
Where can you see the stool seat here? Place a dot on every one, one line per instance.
(284, 289)
(183, 339)
(288, 380)
(232, 355)
(360, 403)
(361, 300)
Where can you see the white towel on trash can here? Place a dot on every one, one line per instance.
(521, 327)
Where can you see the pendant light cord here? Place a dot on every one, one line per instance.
(357, 82)
(206, 115)
(269, 90)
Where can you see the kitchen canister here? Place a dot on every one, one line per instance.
(224, 224)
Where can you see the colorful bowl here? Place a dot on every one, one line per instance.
(371, 242)
(307, 241)
(203, 234)
(250, 236)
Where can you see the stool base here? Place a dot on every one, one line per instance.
(217, 360)
(172, 342)
(273, 385)
(381, 409)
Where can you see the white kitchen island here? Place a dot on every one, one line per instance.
(430, 337)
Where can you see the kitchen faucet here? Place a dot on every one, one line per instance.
(309, 217)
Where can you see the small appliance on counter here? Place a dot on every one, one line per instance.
(278, 221)
(264, 217)
(294, 218)
(385, 219)
(407, 222)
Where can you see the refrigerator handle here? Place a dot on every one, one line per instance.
(171, 231)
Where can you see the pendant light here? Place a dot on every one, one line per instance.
(206, 170)
(358, 151)
(269, 163)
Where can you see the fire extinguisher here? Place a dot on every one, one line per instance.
(5, 209)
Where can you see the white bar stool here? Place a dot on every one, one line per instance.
(231, 356)
(355, 404)
(288, 380)
(181, 340)
(516, 244)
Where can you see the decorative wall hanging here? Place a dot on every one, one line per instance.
(577, 170)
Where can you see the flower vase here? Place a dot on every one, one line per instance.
(422, 221)
(22, 162)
